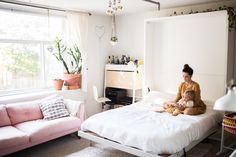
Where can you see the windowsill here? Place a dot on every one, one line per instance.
(37, 93)
(23, 91)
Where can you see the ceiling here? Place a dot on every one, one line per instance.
(130, 6)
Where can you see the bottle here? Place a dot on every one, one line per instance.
(109, 60)
(113, 60)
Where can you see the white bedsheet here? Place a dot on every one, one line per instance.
(137, 126)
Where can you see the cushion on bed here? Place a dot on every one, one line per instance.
(156, 98)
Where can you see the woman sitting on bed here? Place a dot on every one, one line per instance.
(199, 106)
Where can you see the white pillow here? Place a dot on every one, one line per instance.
(53, 108)
(72, 106)
(155, 98)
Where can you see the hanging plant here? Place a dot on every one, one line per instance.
(114, 38)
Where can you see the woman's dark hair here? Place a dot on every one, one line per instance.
(187, 69)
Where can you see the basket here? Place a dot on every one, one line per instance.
(230, 123)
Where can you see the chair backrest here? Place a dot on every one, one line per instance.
(95, 93)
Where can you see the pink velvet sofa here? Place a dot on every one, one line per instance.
(22, 124)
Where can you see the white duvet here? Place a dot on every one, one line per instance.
(138, 126)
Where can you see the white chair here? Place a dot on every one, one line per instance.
(101, 100)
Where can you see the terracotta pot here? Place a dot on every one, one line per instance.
(58, 84)
(73, 80)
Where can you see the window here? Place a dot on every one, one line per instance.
(26, 40)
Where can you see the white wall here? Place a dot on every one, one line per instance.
(98, 51)
(200, 40)
(130, 31)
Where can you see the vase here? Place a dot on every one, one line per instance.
(58, 83)
(73, 80)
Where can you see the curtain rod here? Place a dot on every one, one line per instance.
(40, 6)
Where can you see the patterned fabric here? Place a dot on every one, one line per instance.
(53, 109)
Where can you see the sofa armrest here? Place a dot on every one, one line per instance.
(75, 108)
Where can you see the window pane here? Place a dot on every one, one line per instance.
(20, 66)
(53, 68)
(26, 26)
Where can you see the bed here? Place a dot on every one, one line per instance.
(140, 128)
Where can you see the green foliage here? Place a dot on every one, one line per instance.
(230, 11)
(114, 39)
(72, 66)
(22, 61)
(232, 16)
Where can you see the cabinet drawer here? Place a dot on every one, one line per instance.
(121, 79)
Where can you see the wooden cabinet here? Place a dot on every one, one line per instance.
(123, 76)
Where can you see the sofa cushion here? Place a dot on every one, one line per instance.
(24, 111)
(41, 129)
(4, 119)
(53, 108)
(10, 136)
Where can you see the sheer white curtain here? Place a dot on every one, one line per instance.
(77, 34)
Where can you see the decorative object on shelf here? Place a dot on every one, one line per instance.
(113, 7)
(58, 83)
(72, 62)
(140, 62)
(124, 60)
(109, 60)
(230, 10)
(113, 60)
(114, 38)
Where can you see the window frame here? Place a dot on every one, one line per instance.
(42, 44)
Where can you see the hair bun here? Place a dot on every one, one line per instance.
(188, 69)
(186, 66)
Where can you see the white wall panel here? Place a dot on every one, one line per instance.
(200, 40)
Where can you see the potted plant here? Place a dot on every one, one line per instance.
(58, 83)
(72, 62)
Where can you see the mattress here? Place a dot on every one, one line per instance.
(138, 126)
